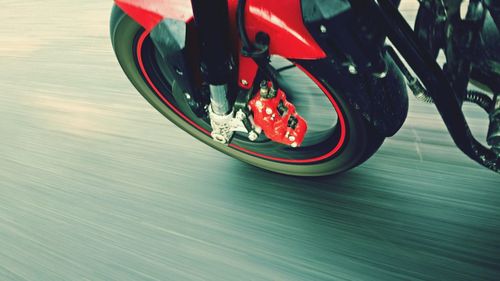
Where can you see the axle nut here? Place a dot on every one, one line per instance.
(253, 136)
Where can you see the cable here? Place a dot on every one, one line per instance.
(240, 15)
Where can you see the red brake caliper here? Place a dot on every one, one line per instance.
(277, 117)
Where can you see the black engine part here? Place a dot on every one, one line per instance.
(357, 60)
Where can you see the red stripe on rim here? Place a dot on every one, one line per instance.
(284, 160)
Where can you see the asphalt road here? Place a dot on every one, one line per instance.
(96, 185)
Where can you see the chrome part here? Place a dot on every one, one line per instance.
(224, 126)
(255, 133)
(224, 121)
(218, 99)
(352, 69)
(253, 136)
(179, 71)
(240, 115)
(267, 92)
(418, 90)
(383, 74)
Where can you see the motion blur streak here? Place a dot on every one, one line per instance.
(96, 185)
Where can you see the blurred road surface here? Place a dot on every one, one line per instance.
(96, 185)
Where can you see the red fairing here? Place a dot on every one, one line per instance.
(277, 117)
(281, 19)
(148, 13)
(247, 72)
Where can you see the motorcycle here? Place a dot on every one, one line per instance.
(311, 87)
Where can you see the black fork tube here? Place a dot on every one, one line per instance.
(211, 17)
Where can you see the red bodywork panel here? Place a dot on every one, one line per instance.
(247, 71)
(275, 122)
(148, 13)
(282, 20)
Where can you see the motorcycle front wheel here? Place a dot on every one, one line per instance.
(338, 138)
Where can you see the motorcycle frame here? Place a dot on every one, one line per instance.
(296, 42)
(435, 81)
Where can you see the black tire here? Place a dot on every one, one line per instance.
(361, 140)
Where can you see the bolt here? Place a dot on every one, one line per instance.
(253, 136)
(294, 145)
(240, 115)
(291, 138)
(269, 111)
(188, 96)
(259, 104)
(179, 71)
(352, 69)
(244, 82)
(322, 28)
(380, 75)
(219, 138)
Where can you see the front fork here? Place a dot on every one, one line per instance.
(212, 22)
(286, 126)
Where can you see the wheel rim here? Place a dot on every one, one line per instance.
(329, 144)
